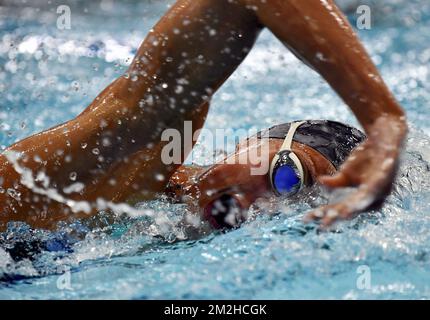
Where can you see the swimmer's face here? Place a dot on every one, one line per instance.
(231, 185)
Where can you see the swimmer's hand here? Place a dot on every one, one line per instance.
(371, 167)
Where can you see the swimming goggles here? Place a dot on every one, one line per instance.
(287, 174)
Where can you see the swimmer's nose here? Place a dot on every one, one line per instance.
(225, 212)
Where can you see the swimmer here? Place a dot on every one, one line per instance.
(298, 153)
(111, 152)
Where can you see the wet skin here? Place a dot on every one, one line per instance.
(199, 187)
(178, 70)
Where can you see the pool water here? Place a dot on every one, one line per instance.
(49, 75)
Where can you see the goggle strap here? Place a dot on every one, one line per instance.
(288, 142)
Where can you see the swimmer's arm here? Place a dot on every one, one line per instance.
(319, 34)
(113, 150)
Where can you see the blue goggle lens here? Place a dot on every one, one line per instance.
(286, 180)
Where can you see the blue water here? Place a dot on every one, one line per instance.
(48, 76)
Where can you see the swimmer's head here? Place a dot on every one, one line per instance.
(298, 153)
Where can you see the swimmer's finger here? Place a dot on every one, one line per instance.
(340, 179)
(346, 209)
(358, 202)
(316, 215)
(337, 212)
(330, 214)
(325, 215)
(312, 216)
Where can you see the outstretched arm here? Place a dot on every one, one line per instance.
(112, 151)
(319, 34)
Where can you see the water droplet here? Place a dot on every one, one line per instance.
(150, 100)
(103, 123)
(73, 175)
(179, 89)
(14, 194)
(332, 213)
(106, 142)
(84, 145)
(159, 177)
(96, 151)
